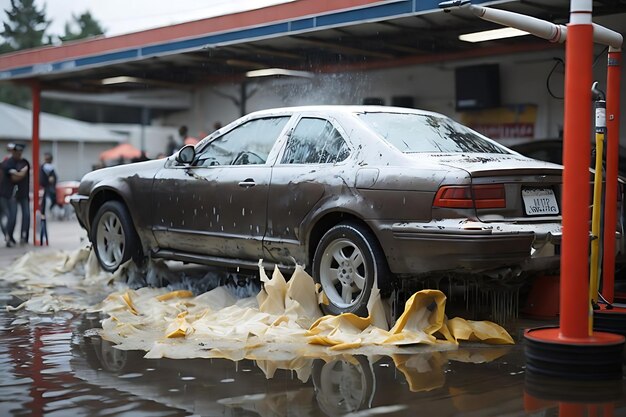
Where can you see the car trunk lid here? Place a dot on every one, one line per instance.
(531, 189)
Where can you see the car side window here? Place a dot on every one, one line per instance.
(249, 143)
(315, 141)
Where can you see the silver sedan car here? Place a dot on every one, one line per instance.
(360, 195)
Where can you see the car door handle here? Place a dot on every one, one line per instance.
(247, 183)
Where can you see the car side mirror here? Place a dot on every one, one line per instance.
(186, 154)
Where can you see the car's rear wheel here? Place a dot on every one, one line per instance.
(113, 236)
(347, 262)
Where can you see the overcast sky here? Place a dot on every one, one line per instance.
(124, 16)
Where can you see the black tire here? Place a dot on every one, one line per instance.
(114, 237)
(347, 262)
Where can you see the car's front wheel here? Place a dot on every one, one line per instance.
(113, 236)
(347, 262)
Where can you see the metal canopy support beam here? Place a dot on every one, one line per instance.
(36, 96)
(348, 50)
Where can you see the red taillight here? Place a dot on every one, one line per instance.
(489, 196)
(454, 196)
(460, 196)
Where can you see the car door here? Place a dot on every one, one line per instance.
(217, 207)
(311, 167)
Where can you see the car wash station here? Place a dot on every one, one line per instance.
(402, 208)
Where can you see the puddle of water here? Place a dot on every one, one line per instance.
(58, 367)
(56, 364)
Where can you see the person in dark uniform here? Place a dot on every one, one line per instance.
(15, 190)
(48, 181)
(4, 202)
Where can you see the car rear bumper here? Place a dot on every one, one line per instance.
(458, 245)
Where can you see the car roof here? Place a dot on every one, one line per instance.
(345, 109)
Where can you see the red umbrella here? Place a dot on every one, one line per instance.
(123, 151)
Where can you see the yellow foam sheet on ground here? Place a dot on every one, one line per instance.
(283, 322)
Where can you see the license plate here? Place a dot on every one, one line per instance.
(539, 201)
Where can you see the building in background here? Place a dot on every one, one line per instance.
(74, 145)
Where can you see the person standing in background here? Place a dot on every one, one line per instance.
(172, 146)
(6, 191)
(48, 181)
(183, 132)
(16, 190)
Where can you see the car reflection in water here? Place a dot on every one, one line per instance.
(478, 380)
(435, 383)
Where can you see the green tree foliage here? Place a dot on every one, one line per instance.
(87, 26)
(25, 26)
(4, 48)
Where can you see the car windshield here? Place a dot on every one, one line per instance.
(412, 133)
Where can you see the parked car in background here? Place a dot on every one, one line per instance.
(358, 194)
(551, 150)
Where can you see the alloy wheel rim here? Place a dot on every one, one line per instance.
(343, 273)
(110, 240)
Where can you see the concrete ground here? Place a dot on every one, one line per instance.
(64, 235)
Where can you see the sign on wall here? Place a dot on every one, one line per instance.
(501, 123)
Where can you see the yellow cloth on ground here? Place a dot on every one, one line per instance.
(282, 321)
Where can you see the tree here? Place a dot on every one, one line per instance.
(26, 26)
(87, 26)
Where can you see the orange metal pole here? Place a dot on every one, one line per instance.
(36, 95)
(612, 161)
(570, 409)
(574, 304)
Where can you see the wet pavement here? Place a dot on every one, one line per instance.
(55, 364)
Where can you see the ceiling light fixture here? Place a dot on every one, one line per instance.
(123, 79)
(490, 35)
(269, 72)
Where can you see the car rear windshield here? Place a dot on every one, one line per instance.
(412, 133)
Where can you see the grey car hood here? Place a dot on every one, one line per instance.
(124, 170)
(114, 173)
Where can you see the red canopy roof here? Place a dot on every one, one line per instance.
(124, 151)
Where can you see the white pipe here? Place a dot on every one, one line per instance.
(544, 29)
(532, 25)
(606, 36)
